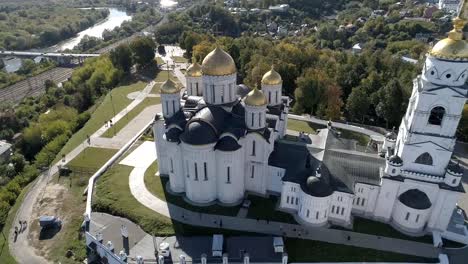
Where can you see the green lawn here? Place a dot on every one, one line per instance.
(160, 61)
(300, 250)
(157, 186)
(163, 75)
(91, 158)
(298, 125)
(265, 208)
(367, 226)
(101, 114)
(179, 59)
(131, 115)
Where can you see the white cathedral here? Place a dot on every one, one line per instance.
(219, 141)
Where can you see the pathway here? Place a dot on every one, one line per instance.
(141, 193)
(21, 250)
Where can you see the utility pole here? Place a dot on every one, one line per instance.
(113, 110)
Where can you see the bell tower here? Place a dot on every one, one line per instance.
(426, 136)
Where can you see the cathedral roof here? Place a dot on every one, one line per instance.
(255, 98)
(218, 63)
(318, 187)
(194, 70)
(272, 77)
(242, 90)
(415, 199)
(454, 47)
(169, 87)
(227, 143)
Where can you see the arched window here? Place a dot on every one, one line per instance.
(424, 158)
(437, 114)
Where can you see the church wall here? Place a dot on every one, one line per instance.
(440, 158)
(442, 209)
(170, 104)
(176, 170)
(230, 189)
(200, 187)
(194, 85)
(275, 175)
(289, 195)
(219, 89)
(409, 219)
(341, 206)
(365, 198)
(314, 210)
(272, 93)
(256, 158)
(158, 132)
(386, 199)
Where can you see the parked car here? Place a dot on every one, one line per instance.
(164, 249)
(47, 221)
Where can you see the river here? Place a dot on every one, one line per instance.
(116, 18)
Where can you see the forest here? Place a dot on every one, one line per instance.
(27, 27)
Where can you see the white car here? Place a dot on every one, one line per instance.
(164, 249)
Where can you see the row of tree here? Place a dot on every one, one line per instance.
(48, 121)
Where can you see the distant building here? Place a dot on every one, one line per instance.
(378, 13)
(5, 151)
(357, 48)
(279, 8)
(449, 5)
(429, 11)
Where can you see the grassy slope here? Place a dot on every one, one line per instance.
(131, 115)
(74, 203)
(102, 114)
(304, 126)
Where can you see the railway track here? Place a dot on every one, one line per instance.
(34, 86)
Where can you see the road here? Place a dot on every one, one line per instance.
(22, 251)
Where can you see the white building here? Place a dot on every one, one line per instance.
(214, 144)
(449, 5)
(226, 143)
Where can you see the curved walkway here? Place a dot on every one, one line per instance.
(21, 249)
(145, 197)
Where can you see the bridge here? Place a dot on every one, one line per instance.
(61, 58)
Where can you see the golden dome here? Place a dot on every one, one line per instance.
(255, 98)
(169, 87)
(272, 77)
(218, 63)
(454, 46)
(194, 70)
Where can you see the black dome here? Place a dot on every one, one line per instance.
(455, 168)
(415, 199)
(227, 143)
(173, 135)
(391, 136)
(199, 133)
(395, 159)
(242, 90)
(317, 187)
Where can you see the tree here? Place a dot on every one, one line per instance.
(463, 127)
(358, 104)
(334, 103)
(390, 106)
(121, 58)
(143, 50)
